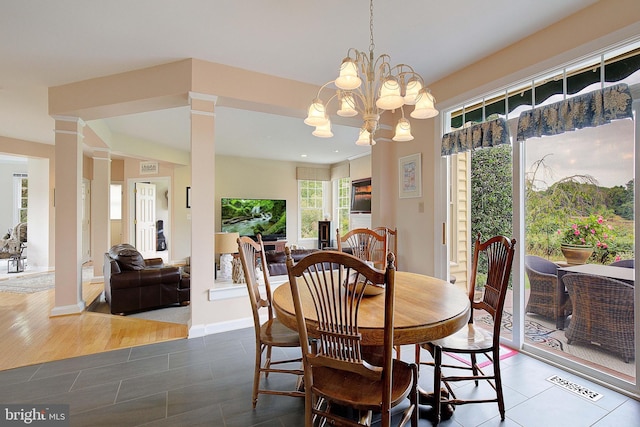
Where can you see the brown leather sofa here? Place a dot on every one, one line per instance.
(277, 260)
(133, 284)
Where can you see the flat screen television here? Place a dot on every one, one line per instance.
(250, 217)
(361, 196)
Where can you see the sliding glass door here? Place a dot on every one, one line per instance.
(551, 185)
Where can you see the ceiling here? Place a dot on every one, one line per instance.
(47, 43)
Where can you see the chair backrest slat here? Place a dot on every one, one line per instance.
(335, 283)
(365, 244)
(253, 259)
(496, 254)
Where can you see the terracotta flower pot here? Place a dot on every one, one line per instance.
(576, 254)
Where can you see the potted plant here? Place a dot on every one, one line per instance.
(584, 236)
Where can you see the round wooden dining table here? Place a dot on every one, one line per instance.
(426, 309)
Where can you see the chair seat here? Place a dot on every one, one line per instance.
(275, 333)
(361, 393)
(467, 339)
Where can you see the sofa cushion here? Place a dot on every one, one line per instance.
(127, 257)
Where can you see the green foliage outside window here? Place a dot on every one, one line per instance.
(311, 207)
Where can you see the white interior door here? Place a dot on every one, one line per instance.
(145, 217)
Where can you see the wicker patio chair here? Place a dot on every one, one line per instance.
(602, 313)
(543, 282)
(626, 263)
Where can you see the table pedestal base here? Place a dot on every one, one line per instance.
(426, 398)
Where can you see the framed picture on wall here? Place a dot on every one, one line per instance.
(410, 176)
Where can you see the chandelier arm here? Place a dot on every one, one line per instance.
(324, 86)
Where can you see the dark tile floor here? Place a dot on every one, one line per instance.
(207, 381)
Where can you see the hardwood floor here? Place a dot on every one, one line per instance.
(28, 335)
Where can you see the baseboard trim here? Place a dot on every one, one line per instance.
(68, 309)
(196, 331)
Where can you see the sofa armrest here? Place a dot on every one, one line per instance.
(146, 277)
(153, 263)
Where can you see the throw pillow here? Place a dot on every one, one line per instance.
(128, 258)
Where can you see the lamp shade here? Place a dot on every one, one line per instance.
(412, 91)
(403, 131)
(317, 114)
(425, 108)
(365, 138)
(323, 131)
(347, 106)
(348, 79)
(390, 97)
(226, 243)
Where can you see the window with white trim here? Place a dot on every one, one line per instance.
(312, 204)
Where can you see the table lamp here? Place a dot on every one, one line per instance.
(226, 244)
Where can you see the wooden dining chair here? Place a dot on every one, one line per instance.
(392, 240)
(364, 244)
(497, 255)
(271, 333)
(336, 375)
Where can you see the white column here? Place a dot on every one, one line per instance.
(68, 216)
(100, 207)
(202, 208)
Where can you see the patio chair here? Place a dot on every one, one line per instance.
(543, 283)
(626, 263)
(603, 313)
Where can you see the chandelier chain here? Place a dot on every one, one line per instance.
(371, 44)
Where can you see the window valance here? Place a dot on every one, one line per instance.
(313, 174)
(481, 135)
(588, 110)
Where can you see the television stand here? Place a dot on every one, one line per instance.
(274, 245)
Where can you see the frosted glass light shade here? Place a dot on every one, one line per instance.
(317, 114)
(425, 108)
(403, 131)
(390, 97)
(347, 106)
(323, 131)
(411, 92)
(348, 78)
(365, 138)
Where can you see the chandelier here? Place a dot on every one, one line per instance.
(369, 88)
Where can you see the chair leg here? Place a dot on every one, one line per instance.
(267, 362)
(498, 379)
(437, 383)
(256, 373)
(474, 366)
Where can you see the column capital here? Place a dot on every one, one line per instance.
(202, 97)
(101, 154)
(73, 119)
(202, 104)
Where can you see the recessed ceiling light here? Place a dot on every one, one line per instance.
(303, 155)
